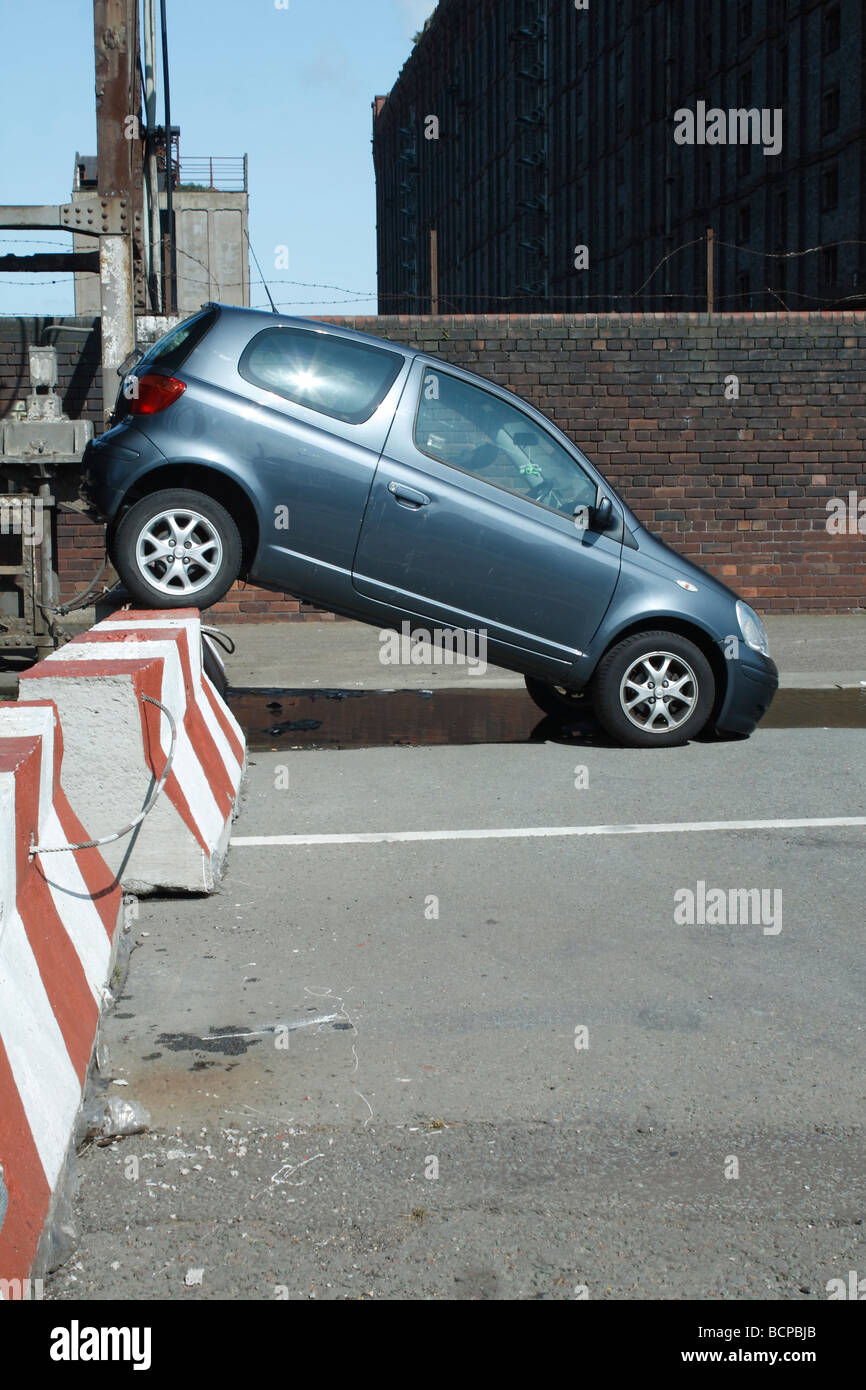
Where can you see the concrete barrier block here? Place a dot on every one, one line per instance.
(118, 745)
(59, 914)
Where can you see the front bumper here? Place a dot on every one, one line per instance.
(750, 692)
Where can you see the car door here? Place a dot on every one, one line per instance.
(477, 519)
(319, 408)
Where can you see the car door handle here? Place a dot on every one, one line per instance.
(409, 496)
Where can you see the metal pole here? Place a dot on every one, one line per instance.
(113, 67)
(711, 271)
(155, 265)
(169, 160)
(434, 272)
(45, 643)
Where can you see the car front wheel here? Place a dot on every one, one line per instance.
(653, 690)
(177, 549)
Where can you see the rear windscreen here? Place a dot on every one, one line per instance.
(169, 352)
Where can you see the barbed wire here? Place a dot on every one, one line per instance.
(377, 297)
(786, 255)
(26, 241)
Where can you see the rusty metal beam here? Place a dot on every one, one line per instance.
(118, 101)
(76, 261)
(119, 148)
(90, 217)
(30, 216)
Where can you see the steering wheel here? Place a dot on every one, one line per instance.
(547, 495)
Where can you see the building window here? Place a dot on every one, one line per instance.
(744, 224)
(707, 179)
(830, 111)
(782, 69)
(831, 36)
(744, 19)
(781, 221)
(744, 298)
(781, 275)
(777, 12)
(830, 189)
(829, 267)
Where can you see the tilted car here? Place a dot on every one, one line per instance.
(381, 483)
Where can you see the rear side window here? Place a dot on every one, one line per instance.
(169, 352)
(335, 376)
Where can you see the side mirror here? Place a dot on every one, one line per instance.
(602, 514)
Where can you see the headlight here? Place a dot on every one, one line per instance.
(753, 630)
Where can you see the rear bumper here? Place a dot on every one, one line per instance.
(109, 467)
(750, 692)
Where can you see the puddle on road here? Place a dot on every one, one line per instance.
(275, 719)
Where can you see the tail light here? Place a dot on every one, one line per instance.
(152, 393)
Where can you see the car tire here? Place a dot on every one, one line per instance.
(649, 664)
(555, 700)
(165, 581)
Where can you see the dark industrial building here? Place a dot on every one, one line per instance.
(552, 155)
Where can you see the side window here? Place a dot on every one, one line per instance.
(475, 431)
(337, 377)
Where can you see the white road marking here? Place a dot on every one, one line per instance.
(540, 832)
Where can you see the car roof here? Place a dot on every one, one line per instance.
(266, 318)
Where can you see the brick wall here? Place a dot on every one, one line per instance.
(741, 486)
(78, 362)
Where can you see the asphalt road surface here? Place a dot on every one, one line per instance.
(522, 1066)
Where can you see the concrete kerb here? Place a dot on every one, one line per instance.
(59, 918)
(118, 744)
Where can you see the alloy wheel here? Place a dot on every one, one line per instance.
(659, 692)
(178, 551)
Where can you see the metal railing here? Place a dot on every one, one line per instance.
(225, 173)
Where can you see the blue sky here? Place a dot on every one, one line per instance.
(291, 88)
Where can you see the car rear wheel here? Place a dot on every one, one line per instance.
(556, 700)
(653, 690)
(177, 549)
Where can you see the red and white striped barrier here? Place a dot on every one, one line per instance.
(117, 744)
(58, 916)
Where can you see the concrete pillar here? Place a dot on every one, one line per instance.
(118, 321)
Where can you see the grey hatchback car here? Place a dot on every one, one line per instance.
(381, 483)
